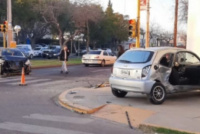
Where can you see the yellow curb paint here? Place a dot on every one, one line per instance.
(79, 109)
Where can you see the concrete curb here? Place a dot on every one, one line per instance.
(157, 126)
(42, 67)
(77, 108)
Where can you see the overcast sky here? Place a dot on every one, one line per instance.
(162, 11)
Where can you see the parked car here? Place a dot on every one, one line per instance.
(156, 72)
(12, 60)
(46, 52)
(54, 53)
(27, 48)
(39, 50)
(98, 57)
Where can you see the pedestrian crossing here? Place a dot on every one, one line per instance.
(45, 129)
(31, 81)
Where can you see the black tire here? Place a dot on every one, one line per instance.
(86, 65)
(103, 63)
(158, 94)
(119, 93)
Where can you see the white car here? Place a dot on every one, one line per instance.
(98, 57)
(39, 50)
(27, 49)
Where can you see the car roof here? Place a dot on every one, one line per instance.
(156, 49)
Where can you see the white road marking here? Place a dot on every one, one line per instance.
(4, 80)
(100, 70)
(66, 119)
(53, 83)
(31, 81)
(36, 129)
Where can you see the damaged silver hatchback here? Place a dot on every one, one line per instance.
(156, 71)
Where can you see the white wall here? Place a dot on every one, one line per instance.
(193, 39)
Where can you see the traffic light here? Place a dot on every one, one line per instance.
(2, 28)
(6, 25)
(132, 28)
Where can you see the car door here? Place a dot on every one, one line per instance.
(112, 58)
(165, 68)
(106, 57)
(189, 65)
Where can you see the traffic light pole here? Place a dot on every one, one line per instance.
(138, 25)
(4, 39)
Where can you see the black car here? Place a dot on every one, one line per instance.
(54, 53)
(12, 61)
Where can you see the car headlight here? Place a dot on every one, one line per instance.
(27, 62)
(145, 71)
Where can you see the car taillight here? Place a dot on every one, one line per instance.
(145, 71)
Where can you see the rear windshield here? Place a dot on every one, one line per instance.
(136, 57)
(95, 52)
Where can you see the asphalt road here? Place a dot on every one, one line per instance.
(33, 110)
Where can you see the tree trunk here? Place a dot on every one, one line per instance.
(88, 37)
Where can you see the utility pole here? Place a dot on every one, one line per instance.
(9, 19)
(147, 26)
(175, 23)
(138, 25)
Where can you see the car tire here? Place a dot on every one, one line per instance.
(119, 93)
(103, 63)
(158, 94)
(86, 65)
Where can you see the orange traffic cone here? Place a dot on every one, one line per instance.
(23, 81)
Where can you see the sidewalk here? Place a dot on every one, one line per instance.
(179, 112)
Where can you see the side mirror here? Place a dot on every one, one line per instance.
(156, 67)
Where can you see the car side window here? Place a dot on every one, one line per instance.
(167, 60)
(18, 53)
(187, 58)
(111, 54)
(105, 53)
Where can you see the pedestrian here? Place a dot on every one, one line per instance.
(64, 56)
(120, 50)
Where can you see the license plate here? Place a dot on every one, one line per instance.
(125, 72)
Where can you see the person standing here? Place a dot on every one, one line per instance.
(64, 56)
(120, 50)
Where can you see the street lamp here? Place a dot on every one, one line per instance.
(17, 29)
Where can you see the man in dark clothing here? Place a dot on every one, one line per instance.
(64, 56)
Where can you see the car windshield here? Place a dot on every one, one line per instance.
(37, 48)
(95, 52)
(136, 57)
(9, 52)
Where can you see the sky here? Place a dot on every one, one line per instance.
(161, 11)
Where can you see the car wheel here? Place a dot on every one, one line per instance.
(86, 65)
(158, 94)
(103, 63)
(119, 93)
(31, 56)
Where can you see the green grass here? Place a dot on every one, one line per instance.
(53, 62)
(159, 130)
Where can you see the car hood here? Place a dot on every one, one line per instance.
(17, 59)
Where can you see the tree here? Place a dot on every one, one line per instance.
(85, 15)
(183, 10)
(30, 20)
(58, 14)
